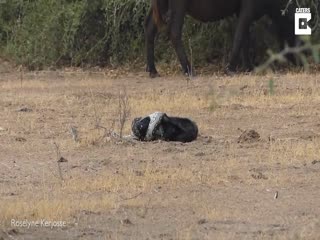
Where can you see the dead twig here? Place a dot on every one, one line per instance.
(130, 198)
(276, 195)
(60, 160)
(123, 110)
(298, 51)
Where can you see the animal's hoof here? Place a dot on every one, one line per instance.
(154, 74)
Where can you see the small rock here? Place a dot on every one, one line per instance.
(315, 162)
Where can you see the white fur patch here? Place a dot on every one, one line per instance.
(155, 119)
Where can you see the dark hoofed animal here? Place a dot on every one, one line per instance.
(173, 12)
(159, 126)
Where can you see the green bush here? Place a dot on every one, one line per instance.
(42, 33)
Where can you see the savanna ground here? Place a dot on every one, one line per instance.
(218, 187)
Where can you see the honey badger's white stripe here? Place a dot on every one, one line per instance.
(155, 119)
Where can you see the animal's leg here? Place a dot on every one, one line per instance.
(150, 34)
(169, 16)
(245, 19)
(176, 25)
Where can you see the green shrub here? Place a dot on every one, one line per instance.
(42, 33)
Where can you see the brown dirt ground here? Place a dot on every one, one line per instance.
(221, 186)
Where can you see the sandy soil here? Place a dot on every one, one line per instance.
(253, 173)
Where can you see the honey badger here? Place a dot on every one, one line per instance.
(159, 126)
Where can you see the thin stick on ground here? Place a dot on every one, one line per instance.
(124, 110)
(190, 71)
(96, 117)
(59, 160)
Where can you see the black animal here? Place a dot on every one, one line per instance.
(172, 14)
(159, 126)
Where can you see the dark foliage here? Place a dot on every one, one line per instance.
(42, 33)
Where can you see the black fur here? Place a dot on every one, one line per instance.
(170, 129)
(140, 126)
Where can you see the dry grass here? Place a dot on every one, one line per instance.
(103, 175)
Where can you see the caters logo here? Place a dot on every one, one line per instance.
(302, 18)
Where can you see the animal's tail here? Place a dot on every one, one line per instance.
(156, 13)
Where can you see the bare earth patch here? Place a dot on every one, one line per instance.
(253, 173)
